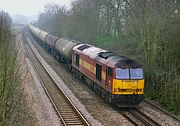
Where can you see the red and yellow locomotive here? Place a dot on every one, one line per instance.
(117, 78)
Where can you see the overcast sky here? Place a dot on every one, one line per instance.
(28, 7)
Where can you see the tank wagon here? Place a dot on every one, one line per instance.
(50, 40)
(60, 48)
(117, 79)
(42, 35)
(65, 47)
(38, 34)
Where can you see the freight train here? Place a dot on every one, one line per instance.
(117, 79)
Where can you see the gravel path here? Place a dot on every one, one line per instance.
(100, 110)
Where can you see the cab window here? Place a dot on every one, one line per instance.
(77, 59)
(136, 73)
(109, 71)
(98, 72)
(122, 73)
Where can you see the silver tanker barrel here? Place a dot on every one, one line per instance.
(65, 47)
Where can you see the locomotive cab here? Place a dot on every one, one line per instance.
(127, 81)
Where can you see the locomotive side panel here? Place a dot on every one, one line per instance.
(91, 68)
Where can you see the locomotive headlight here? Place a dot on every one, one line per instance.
(138, 90)
(117, 90)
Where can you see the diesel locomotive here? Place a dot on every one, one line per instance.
(117, 79)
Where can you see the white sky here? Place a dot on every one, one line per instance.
(28, 7)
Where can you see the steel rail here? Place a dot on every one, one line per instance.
(143, 117)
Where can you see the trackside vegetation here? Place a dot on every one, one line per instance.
(13, 110)
(146, 30)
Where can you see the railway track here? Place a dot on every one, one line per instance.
(65, 109)
(136, 117)
(143, 117)
(128, 118)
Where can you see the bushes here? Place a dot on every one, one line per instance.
(10, 92)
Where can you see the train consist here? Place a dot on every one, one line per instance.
(117, 79)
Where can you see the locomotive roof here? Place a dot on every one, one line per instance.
(89, 50)
(112, 59)
(106, 57)
(122, 61)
